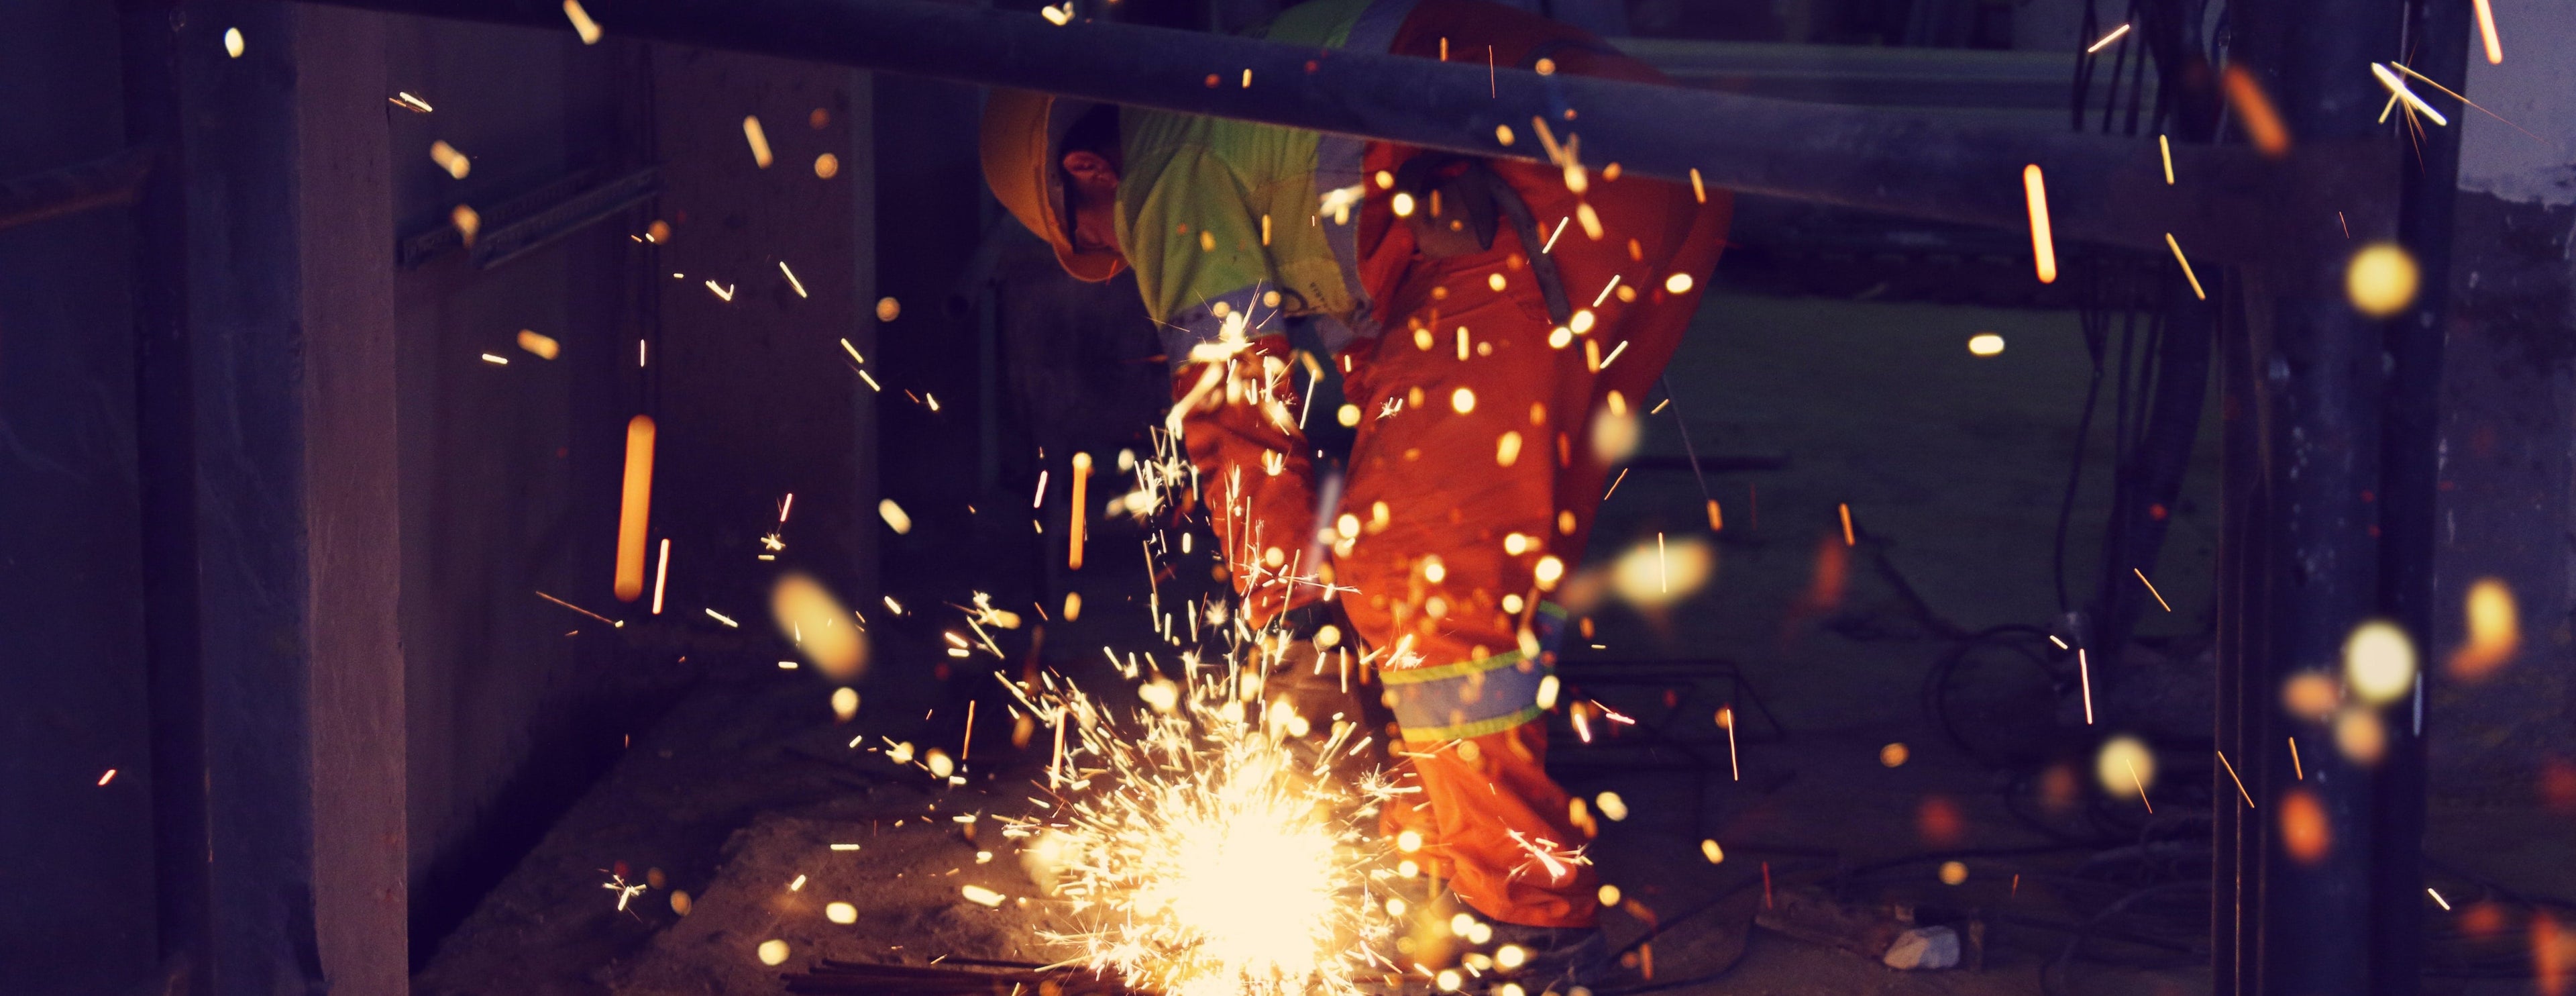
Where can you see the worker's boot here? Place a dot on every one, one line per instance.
(1329, 686)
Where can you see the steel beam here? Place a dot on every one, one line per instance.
(2329, 490)
(2101, 188)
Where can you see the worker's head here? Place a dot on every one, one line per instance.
(1054, 163)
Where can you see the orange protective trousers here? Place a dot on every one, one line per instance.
(1492, 439)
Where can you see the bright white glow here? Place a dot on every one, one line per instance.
(2379, 662)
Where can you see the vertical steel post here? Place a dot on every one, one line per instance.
(2437, 40)
(2314, 886)
(165, 438)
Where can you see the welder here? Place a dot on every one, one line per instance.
(1483, 314)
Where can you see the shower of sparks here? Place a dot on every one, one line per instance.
(106, 778)
(2428, 890)
(626, 891)
(2107, 40)
(2458, 96)
(1165, 822)
(409, 103)
(2141, 783)
(2164, 147)
(1849, 539)
(2397, 87)
(1161, 824)
(2296, 768)
(2151, 588)
(792, 282)
(722, 618)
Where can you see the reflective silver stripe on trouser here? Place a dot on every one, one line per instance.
(1474, 698)
(1458, 701)
(1337, 167)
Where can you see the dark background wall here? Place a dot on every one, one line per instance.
(71, 650)
(2509, 441)
(510, 473)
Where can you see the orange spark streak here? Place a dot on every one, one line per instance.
(2084, 673)
(637, 506)
(661, 575)
(576, 608)
(2254, 111)
(2487, 33)
(1081, 489)
(2240, 783)
(2042, 245)
(1726, 718)
(1848, 539)
(2186, 270)
(2151, 588)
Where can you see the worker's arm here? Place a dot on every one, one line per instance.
(1197, 248)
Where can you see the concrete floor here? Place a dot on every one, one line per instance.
(1954, 462)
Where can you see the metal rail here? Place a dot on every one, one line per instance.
(2102, 189)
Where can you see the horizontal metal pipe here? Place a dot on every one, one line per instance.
(2101, 189)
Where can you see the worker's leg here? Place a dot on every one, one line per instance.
(1451, 479)
(1454, 459)
(1655, 237)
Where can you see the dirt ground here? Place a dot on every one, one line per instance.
(1953, 465)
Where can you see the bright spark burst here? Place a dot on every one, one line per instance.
(1170, 824)
(626, 891)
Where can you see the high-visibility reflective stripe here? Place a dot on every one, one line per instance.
(1469, 699)
(1474, 698)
